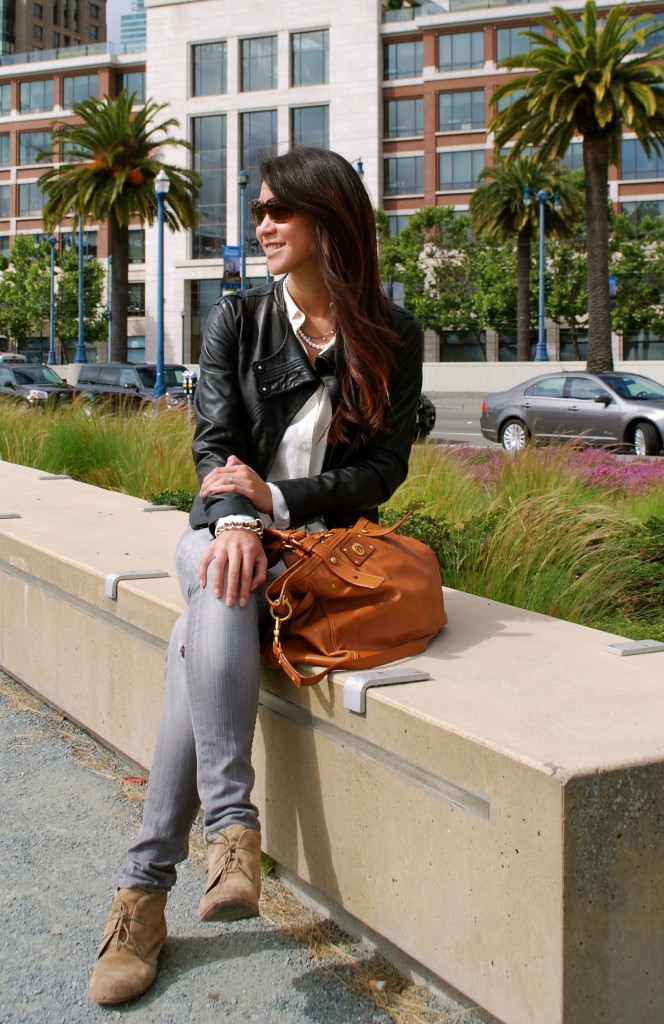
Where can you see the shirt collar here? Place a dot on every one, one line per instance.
(297, 317)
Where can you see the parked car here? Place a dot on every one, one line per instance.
(12, 357)
(129, 384)
(32, 384)
(426, 417)
(621, 410)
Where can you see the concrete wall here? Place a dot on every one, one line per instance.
(501, 825)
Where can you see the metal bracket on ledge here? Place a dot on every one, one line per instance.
(10, 515)
(113, 578)
(56, 476)
(357, 684)
(159, 508)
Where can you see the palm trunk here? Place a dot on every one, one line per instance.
(524, 239)
(596, 168)
(119, 237)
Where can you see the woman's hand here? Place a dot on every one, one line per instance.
(238, 556)
(237, 478)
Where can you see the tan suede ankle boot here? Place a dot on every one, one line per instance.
(234, 876)
(127, 957)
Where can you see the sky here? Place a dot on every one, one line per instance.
(114, 8)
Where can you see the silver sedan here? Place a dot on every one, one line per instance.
(620, 410)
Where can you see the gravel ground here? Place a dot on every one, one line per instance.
(65, 824)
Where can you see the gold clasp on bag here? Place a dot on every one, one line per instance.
(278, 619)
(357, 548)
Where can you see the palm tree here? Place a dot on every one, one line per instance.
(497, 209)
(585, 78)
(113, 157)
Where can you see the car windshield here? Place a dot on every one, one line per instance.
(172, 376)
(36, 375)
(634, 387)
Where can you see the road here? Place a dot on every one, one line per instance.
(458, 419)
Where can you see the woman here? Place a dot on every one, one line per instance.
(305, 414)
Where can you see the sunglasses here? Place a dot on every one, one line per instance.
(275, 210)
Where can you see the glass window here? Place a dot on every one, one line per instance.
(636, 211)
(209, 161)
(396, 222)
(133, 82)
(459, 111)
(136, 348)
(258, 138)
(459, 51)
(310, 126)
(510, 42)
(404, 175)
(643, 346)
(5, 100)
(258, 63)
(402, 60)
(585, 390)
(56, 40)
(94, 31)
(36, 96)
(573, 158)
(657, 38)
(462, 347)
(507, 101)
(460, 170)
(94, 11)
(4, 243)
(208, 66)
(30, 200)
(77, 88)
(136, 298)
(309, 58)
(404, 118)
(89, 244)
(31, 144)
(573, 345)
(203, 294)
(635, 164)
(37, 32)
(137, 245)
(38, 10)
(4, 200)
(550, 387)
(4, 151)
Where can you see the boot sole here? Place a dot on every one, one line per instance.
(232, 910)
(122, 999)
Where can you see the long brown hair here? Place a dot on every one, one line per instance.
(328, 188)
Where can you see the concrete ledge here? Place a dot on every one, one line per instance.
(501, 824)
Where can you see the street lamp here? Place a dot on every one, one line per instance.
(161, 187)
(80, 356)
(51, 316)
(243, 181)
(543, 197)
(110, 307)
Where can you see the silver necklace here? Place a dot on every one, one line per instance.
(324, 338)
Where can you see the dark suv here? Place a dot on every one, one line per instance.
(130, 383)
(33, 385)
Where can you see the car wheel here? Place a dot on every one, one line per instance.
(514, 436)
(646, 439)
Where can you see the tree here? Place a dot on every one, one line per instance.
(497, 209)
(94, 317)
(637, 262)
(116, 154)
(25, 289)
(586, 78)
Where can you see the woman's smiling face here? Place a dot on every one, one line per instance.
(290, 246)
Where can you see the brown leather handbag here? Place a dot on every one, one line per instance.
(350, 599)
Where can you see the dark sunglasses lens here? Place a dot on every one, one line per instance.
(276, 212)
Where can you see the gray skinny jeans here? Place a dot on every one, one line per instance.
(203, 748)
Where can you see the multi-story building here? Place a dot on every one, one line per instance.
(133, 27)
(405, 95)
(27, 27)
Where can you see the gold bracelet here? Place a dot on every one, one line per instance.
(252, 525)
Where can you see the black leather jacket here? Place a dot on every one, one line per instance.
(255, 377)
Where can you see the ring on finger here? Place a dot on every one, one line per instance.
(229, 479)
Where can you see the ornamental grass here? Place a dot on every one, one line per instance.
(574, 533)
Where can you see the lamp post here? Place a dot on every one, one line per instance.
(543, 197)
(51, 316)
(161, 187)
(80, 356)
(243, 181)
(110, 307)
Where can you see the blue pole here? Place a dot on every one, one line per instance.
(110, 307)
(243, 178)
(51, 322)
(540, 351)
(80, 356)
(159, 380)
